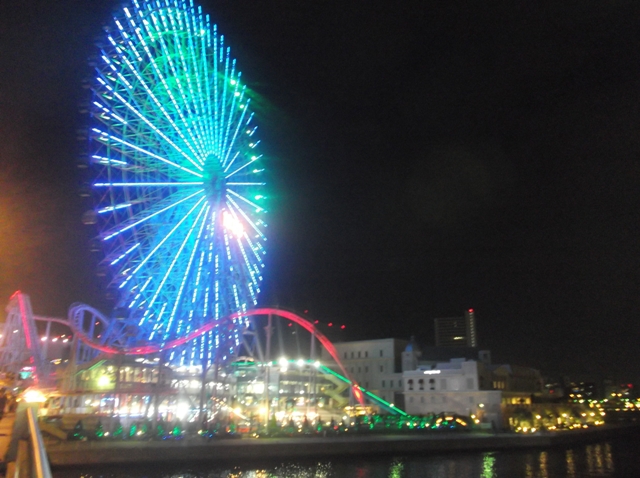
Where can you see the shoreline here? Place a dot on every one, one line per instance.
(91, 453)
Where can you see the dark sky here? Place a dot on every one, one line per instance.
(424, 159)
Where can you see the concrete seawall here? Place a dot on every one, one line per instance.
(193, 450)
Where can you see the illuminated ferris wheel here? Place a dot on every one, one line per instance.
(179, 183)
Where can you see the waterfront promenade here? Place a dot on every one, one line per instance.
(234, 450)
(196, 449)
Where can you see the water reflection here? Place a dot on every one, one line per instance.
(599, 459)
(396, 469)
(571, 465)
(593, 460)
(488, 465)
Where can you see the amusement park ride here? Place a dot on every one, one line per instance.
(179, 198)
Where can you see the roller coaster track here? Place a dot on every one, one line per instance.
(20, 344)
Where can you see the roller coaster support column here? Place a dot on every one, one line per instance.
(203, 385)
(267, 381)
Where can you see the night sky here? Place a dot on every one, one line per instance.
(424, 159)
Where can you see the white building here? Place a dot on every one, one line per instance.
(469, 387)
(374, 364)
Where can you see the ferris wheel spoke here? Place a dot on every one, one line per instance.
(257, 207)
(205, 78)
(104, 136)
(249, 270)
(113, 208)
(136, 111)
(149, 92)
(124, 254)
(237, 96)
(109, 161)
(172, 265)
(137, 221)
(251, 160)
(193, 98)
(151, 254)
(185, 276)
(188, 309)
(245, 184)
(177, 74)
(160, 76)
(159, 184)
(221, 100)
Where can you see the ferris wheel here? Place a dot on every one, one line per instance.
(179, 187)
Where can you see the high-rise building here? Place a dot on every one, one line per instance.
(456, 331)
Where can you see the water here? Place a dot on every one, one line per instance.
(612, 458)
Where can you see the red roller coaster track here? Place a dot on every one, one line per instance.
(228, 322)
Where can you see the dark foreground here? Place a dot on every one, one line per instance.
(193, 451)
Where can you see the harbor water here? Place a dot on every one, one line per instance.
(618, 457)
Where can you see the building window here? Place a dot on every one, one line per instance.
(366, 353)
(432, 384)
(381, 353)
(358, 354)
(421, 384)
(383, 384)
(400, 383)
(410, 383)
(366, 384)
(345, 355)
(382, 368)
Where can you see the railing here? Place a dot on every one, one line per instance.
(31, 460)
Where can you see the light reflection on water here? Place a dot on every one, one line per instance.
(605, 459)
